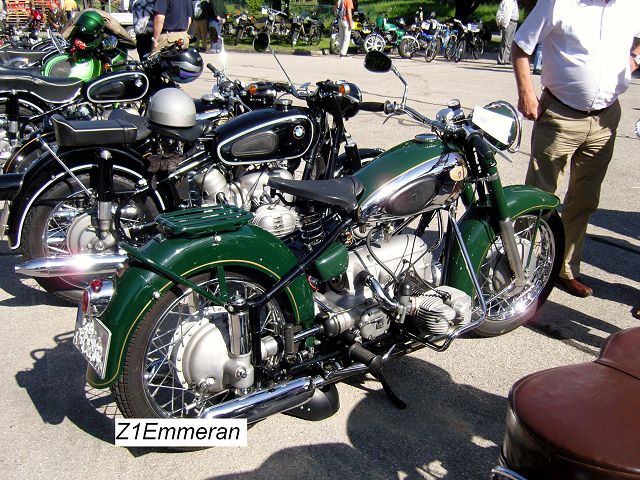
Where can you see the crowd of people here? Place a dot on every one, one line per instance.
(158, 23)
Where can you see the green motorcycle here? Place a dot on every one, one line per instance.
(385, 36)
(217, 318)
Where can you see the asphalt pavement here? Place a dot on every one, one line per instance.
(54, 426)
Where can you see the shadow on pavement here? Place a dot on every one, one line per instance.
(57, 387)
(21, 295)
(449, 430)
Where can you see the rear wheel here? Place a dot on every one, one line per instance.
(177, 361)
(59, 224)
(26, 110)
(315, 35)
(408, 47)
(478, 48)
(541, 250)
(450, 47)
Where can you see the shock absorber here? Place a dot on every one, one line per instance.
(105, 193)
(312, 229)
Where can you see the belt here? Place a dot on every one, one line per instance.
(584, 112)
(171, 31)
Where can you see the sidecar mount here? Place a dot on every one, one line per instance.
(579, 421)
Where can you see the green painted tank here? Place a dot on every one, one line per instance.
(87, 68)
(416, 176)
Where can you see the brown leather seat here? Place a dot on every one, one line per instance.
(579, 421)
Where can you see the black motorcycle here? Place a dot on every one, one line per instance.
(306, 28)
(75, 204)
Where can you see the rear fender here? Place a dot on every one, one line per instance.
(46, 171)
(479, 233)
(249, 249)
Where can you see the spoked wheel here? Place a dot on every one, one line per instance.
(408, 47)
(26, 110)
(478, 48)
(315, 36)
(541, 250)
(177, 363)
(59, 224)
(450, 47)
(334, 49)
(373, 41)
(433, 47)
(460, 50)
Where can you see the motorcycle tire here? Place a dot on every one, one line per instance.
(478, 48)
(48, 222)
(333, 45)
(165, 328)
(508, 308)
(294, 38)
(26, 110)
(315, 35)
(450, 47)
(460, 51)
(408, 47)
(374, 42)
(433, 47)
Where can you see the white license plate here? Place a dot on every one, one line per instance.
(92, 338)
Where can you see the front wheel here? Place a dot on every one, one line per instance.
(450, 47)
(433, 47)
(60, 223)
(408, 47)
(177, 363)
(540, 241)
(478, 48)
(460, 50)
(374, 42)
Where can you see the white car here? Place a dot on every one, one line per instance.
(122, 14)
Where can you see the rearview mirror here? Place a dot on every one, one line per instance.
(377, 62)
(261, 42)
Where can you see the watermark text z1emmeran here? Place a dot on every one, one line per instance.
(146, 432)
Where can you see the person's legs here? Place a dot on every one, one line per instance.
(344, 37)
(588, 168)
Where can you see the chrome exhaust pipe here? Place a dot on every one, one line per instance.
(73, 265)
(286, 396)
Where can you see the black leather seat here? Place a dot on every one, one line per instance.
(79, 133)
(340, 192)
(49, 89)
(139, 121)
(579, 421)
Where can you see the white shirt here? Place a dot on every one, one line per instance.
(585, 46)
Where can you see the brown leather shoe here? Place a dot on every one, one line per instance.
(575, 287)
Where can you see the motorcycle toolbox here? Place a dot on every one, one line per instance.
(267, 135)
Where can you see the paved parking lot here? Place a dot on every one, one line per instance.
(53, 426)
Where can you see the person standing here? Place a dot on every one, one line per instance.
(171, 21)
(217, 18)
(201, 14)
(70, 6)
(507, 19)
(586, 46)
(142, 11)
(344, 12)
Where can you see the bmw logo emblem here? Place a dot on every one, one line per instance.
(298, 131)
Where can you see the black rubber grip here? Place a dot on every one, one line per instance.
(371, 106)
(360, 354)
(212, 68)
(481, 146)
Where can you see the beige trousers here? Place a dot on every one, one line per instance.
(166, 39)
(563, 137)
(201, 32)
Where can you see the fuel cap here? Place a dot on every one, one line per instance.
(426, 138)
(283, 104)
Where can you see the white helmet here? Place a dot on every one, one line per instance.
(171, 107)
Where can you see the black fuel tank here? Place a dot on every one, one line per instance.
(266, 135)
(118, 87)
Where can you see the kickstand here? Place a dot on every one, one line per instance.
(375, 363)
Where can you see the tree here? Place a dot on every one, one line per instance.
(464, 8)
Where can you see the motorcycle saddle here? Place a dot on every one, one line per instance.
(579, 421)
(49, 89)
(82, 133)
(340, 192)
(140, 122)
(190, 134)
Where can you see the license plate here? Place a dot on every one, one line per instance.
(92, 338)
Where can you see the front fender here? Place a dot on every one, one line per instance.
(479, 230)
(247, 249)
(46, 171)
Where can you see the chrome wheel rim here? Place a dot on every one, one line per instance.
(505, 301)
(161, 378)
